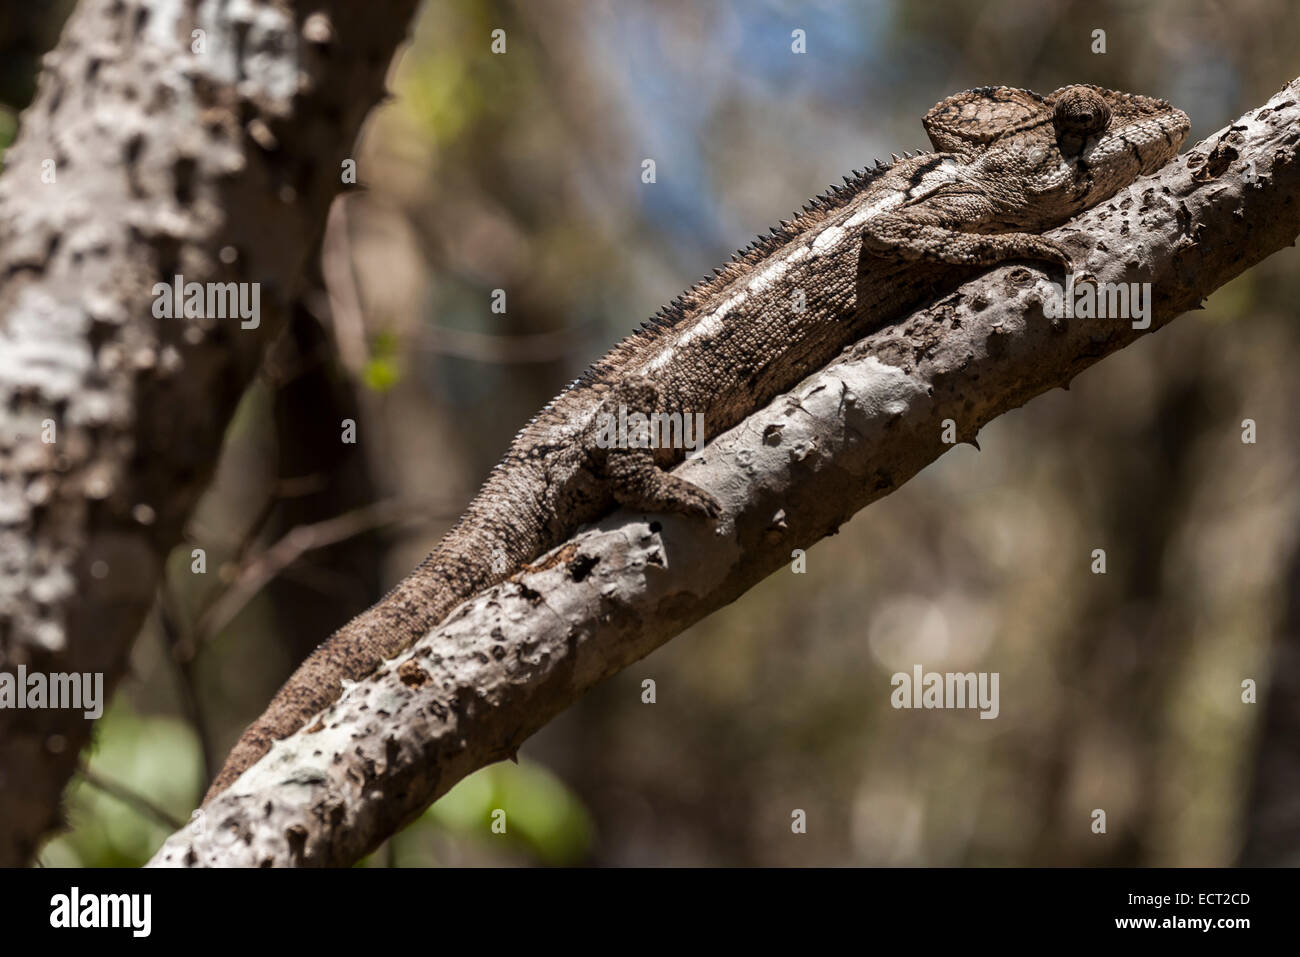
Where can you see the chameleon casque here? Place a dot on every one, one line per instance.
(1009, 164)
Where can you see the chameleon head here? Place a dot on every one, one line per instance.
(1116, 136)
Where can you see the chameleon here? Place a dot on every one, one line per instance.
(1007, 165)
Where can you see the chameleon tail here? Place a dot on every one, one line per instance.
(464, 562)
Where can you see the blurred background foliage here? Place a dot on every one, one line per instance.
(521, 172)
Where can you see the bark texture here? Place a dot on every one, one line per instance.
(167, 137)
(513, 657)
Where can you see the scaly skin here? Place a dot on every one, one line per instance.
(1010, 164)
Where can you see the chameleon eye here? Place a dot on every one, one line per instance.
(1081, 112)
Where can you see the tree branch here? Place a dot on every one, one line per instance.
(166, 138)
(513, 657)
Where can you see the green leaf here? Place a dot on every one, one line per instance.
(157, 758)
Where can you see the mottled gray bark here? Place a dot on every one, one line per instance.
(510, 659)
(168, 137)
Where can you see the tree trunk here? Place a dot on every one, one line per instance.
(166, 138)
